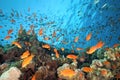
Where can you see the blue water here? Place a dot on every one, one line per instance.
(70, 18)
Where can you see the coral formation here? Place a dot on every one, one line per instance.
(12, 74)
(106, 68)
(44, 73)
(45, 65)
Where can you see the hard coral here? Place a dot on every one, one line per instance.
(44, 73)
(13, 54)
(106, 68)
(12, 74)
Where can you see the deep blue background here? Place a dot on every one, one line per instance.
(71, 18)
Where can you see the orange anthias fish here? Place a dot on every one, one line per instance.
(17, 44)
(21, 29)
(56, 53)
(107, 48)
(87, 69)
(27, 60)
(40, 32)
(46, 46)
(0, 26)
(54, 34)
(25, 54)
(72, 56)
(81, 75)
(27, 43)
(34, 77)
(116, 45)
(67, 73)
(10, 31)
(62, 49)
(7, 37)
(12, 21)
(46, 38)
(99, 44)
(103, 72)
(79, 49)
(76, 39)
(92, 50)
(88, 37)
(29, 32)
(106, 63)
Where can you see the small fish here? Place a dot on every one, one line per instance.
(88, 37)
(54, 34)
(82, 59)
(81, 75)
(79, 49)
(17, 44)
(29, 32)
(21, 29)
(72, 56)
(46, 46)
(7, 37)
(40, 32)
(12, 21)
(56, 53)
(96, 1)
(76, 39)
(46, 38)
(27, 60)
(99, 44)
(28, 9)
(62, 49)
(34, 77)
(31, 27)
(67, 73)
(57, 39)
(106, 63)
(25, 54)
(116, 45)
(10, 31)
(87, 69)
(0, 26)
(103, 72)
(104, 5)
(27, 43)
(107, 48)
(72, 51)
(64, 42)
(92, 50)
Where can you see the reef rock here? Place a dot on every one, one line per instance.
(12, 74)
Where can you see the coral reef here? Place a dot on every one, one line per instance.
(3, 67)
(44, 73)
(12, 74)
(106, 68)
(45, 65)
